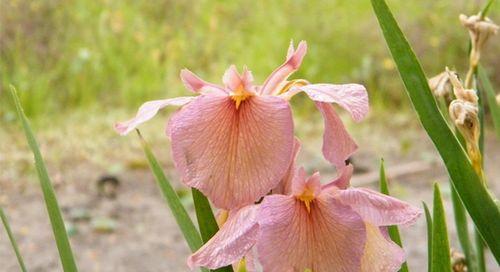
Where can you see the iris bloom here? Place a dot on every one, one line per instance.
(234, 142)
(319, 227)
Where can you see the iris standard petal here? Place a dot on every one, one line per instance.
(338, 145)
(197, 85)
(292, 64)
(381, 254)
(148, 110)
(231, 243)
(331, 237)
(379, 209)
(343, 180)
(234, 156)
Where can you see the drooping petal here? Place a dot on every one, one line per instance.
(381, 254)
(351, 97)
(338, 145)
(197, 85)
(330, 237)
(285, 185)
(343, 180)
(292, 64)
(148, 110)
(234, 156)
(379, 209)
(231, 243)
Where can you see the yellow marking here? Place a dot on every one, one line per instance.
(307, 197)
(240, 95)
(292, 83)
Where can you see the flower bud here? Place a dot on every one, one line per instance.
(480, 29)
(441, 85)
(464, 115)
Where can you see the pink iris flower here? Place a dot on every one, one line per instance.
(319, 227)
(235, 142)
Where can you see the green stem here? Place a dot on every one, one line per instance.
(12, 240)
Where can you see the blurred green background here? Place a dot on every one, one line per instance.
(98, 55)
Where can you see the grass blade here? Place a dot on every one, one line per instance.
(440, 259)
(181, 216)
(474, 195)
(56, 220)
(12, 240)
(428, 220)
(463, 230)
(489, 93)
(206, 220)
(393, 230)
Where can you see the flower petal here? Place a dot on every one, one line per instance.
(381, 254)
(338, 145)
(234, 156)
(300, 183)
(231, 243)
(351, 97)
(379, 209)
(285, 185)
(292, 64)
(343, 180)
(197, 85)
(233, 80)
(148, 110)
(329, 238)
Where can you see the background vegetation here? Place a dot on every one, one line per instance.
(67, 55)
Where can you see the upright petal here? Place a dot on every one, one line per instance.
(234, 156)
(351, 97)
(233, 80)
(292, 64)
(381, 254)
(343, 180)
(231, 243)
(196, 84)
(379, 209)
(338, 145)
(148, 110)
(330, 237)
(285, 185)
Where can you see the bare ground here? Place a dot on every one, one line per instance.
(80, 149)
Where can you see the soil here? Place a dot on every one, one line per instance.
(134, 230)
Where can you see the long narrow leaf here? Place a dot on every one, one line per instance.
(181, 216)
(56, 220)
(428, 220)
(12, 240)
(393, 230)
(206, 220)
(489, 93)
(474, 195)
(441, 259)
(481, 261)
(463, 230)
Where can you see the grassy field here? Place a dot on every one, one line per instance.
(69, 55)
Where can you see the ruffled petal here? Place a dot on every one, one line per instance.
(329, 238)
(197, 85)
(338, 145)
(292, 64)
(285, 185)
(343, 180)
(351, 97)
(234, 156)
(231, 243)
(379, 209)
(381, 254)
(148, 110)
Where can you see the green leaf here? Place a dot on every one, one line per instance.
(474, 195)
(393, 230)
(463, 230)
(206, 221)
(490, 97)
(188, 229)
(428, 220)
(56, 220)
(12, 240)
(486, 8)
(481, 263)
(440, 259)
